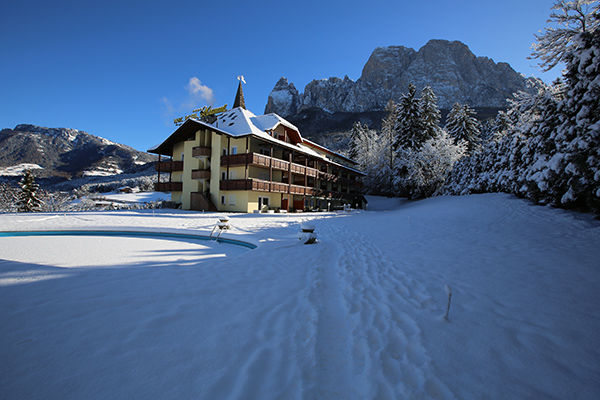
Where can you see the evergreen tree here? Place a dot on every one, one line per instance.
(579, 111)
(558, 42)
(356, 133)
(409, 125)
(372, 158)
(501, 123)
(430, 113)
(28, 200)
(487, 130)
(425, 169)
(8, 197)
(550, 152)
(461, 124)
(389, 137)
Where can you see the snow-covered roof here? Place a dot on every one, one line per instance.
(317, 145)
(237, 122)
(240, 122)
(270, 121)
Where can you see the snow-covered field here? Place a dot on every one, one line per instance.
(356, 316)
(18, 169)
(139, 197)
(131, 198)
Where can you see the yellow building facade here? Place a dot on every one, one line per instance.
(241, 162)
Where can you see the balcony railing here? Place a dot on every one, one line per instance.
(265, 186)
(327, 176)
(169, 166)
(168, 186)
(201, 174)
(332, 194)
(201, 151)
(261, 160)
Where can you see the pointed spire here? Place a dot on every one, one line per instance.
(239, 97)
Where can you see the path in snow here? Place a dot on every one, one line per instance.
(382, 343)
(358, 315)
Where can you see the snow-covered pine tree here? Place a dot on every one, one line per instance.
(388, 138)
(409, 124)
(570, 18)
(8, 197)
(575, 39)
(509, 161)
(372, 158)
(358, 130)
(430, 113)
(501, 123)
(461, 124)
(425, 169)
(28, 200)
(534, 175)
(550, 152)
(486, 130)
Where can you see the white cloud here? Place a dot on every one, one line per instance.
(197, 91)
(198, 95)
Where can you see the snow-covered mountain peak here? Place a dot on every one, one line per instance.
(449, 67)
(66, 152)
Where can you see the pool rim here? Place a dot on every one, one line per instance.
(124, 233)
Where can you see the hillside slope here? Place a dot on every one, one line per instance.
(65, 153)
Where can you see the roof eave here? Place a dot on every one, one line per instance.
(166, 147)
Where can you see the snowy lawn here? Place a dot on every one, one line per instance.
(358, 315)
(139, 197)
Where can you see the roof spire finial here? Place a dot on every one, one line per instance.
(239, 96)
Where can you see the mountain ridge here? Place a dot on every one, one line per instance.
(66, 152)
(449, 67)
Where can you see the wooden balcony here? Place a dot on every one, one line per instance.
(201, 174)
(260, 160)
(327, 176)
(201, 151)
(265, 186)
(169, 166)
(350, 180)
(168, 186)
(332, 194)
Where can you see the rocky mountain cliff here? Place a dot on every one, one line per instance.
(449, 67)
(63, 152)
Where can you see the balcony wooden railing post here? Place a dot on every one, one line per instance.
(247, 154)
(271, 169)
(228, 153)
(158, 168)
(305, 179)
(290, 197)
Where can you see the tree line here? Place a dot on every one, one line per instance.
(544, 147)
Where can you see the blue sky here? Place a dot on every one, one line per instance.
(123, 70)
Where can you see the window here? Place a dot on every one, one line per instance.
(264, 175)
(222, 199)
(263, 201)
(232, 199)
(182, 156)
(223, 175)
(234, 150)
(224, 151)
(231, 174)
